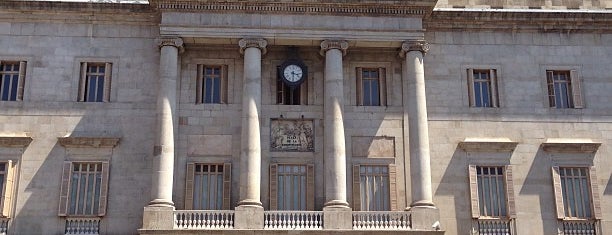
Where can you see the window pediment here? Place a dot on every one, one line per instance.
(15, 142)
(487, 145)
(570, 146)
(89, 142)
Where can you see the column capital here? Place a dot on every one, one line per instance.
(333, 44)
(253, 42)
(173, 41)
(414, 45)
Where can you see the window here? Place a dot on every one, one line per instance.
(287, 95)
(374, 187)
(12, 78)
(291, 187)
(492, 199)
(212, 84)
(84, 189)
(208, 186)
(7, 175)
(482, 87)
(564, 89)
(95, 82)
(577, 199)
(371, 87)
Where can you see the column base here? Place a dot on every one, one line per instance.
(161, 203)
(158, 218)
(425, 218)
(337, 217)
(337, 204)
(249, 202)
(249, 217)
(422, 203)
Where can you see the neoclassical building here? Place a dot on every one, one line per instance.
(306, 117)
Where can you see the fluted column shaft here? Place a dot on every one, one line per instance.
(250, 153)
(335, 146)
(163, 159)
(420, 167)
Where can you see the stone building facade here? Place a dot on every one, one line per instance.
(415, 117)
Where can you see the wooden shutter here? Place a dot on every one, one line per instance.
(576, 89)
(382, 79)
(356, 189)
(510, 192)
(108, 71)
(227, 186)
(104, 189)
(474, 191)
(274, 187)
(551, 88)
(21, 81)
(189, 186)
(7, 197)
(359, 86)
(558, 192)
(310, 187)
(494, 88)
(224, 89)
(595, 193)
(83, 82)
(393, 187)
(65, 189)
(199, 84)
(470, 80)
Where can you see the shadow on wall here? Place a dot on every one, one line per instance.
(608, 190)
(538, 182)
(454, 184)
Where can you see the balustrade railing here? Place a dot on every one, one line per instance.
(579, 227)
(204, 219)
(288, 220)
(496, 226)
(82, 226)
(4, 226)
(381, 220)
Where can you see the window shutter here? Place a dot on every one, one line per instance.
(576, 89)
(104, 189)
(224, 84)
(558, 192)
(199, 84)
(108, 71)
(310, 187)
(474, 191)
(383, 86)
(595, 193)
(551, 88)
(83, 81)
(470, 80)
(21, 81)
(227, 186)
(7, 197)
(356, 189)
(494, 88)
(273, 187)
(189, 186)
(359, 87)
(510, 192)
(65, 189)
(392, 187)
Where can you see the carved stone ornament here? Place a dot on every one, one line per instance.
(253, 42)
(414, 45)
(334, 44)
(170, 41)
(88, 142)
(15, 142)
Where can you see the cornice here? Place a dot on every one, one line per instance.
(75, 6)
(88, 142)
(15, 142)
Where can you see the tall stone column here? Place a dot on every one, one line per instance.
(163, 159)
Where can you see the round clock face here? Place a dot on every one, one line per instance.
(293, 73)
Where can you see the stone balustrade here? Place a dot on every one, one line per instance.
(579, 227)
(82, 226)
(285, 220)
(204, 219)
(494, 226)
(381, 220)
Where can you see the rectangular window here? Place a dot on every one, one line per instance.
(212, 84)
(577, 199)
(492, 199)
(208, 186)
(94, 85)
(374, 187)
(84, 189)
(491, 191)
(564, 89)
(7, 174)
(291, 187)
(12, 78)
(287, 95)
(371, 87)
(482, 86)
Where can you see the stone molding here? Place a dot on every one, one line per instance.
(15, 142)
(334, 44)
(88, 142)
(173, 41)
(570, 146)
(253, 42)
(487, 145)
(414, 45)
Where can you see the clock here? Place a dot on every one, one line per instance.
(293, 72)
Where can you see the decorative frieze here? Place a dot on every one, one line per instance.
(414, 45)
(253, 42)
(15, 142)
(292, 135)
(88, 142)
(334, 44)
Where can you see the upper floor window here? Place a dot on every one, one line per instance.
(212, 84)
(84, 189)
(492, 196)
(371, 87)
(12, 78)
(288, 95)
(95, 82)
(564, 89)
(208, 186)
(482, 86)
(291, 187)
(374, 187)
